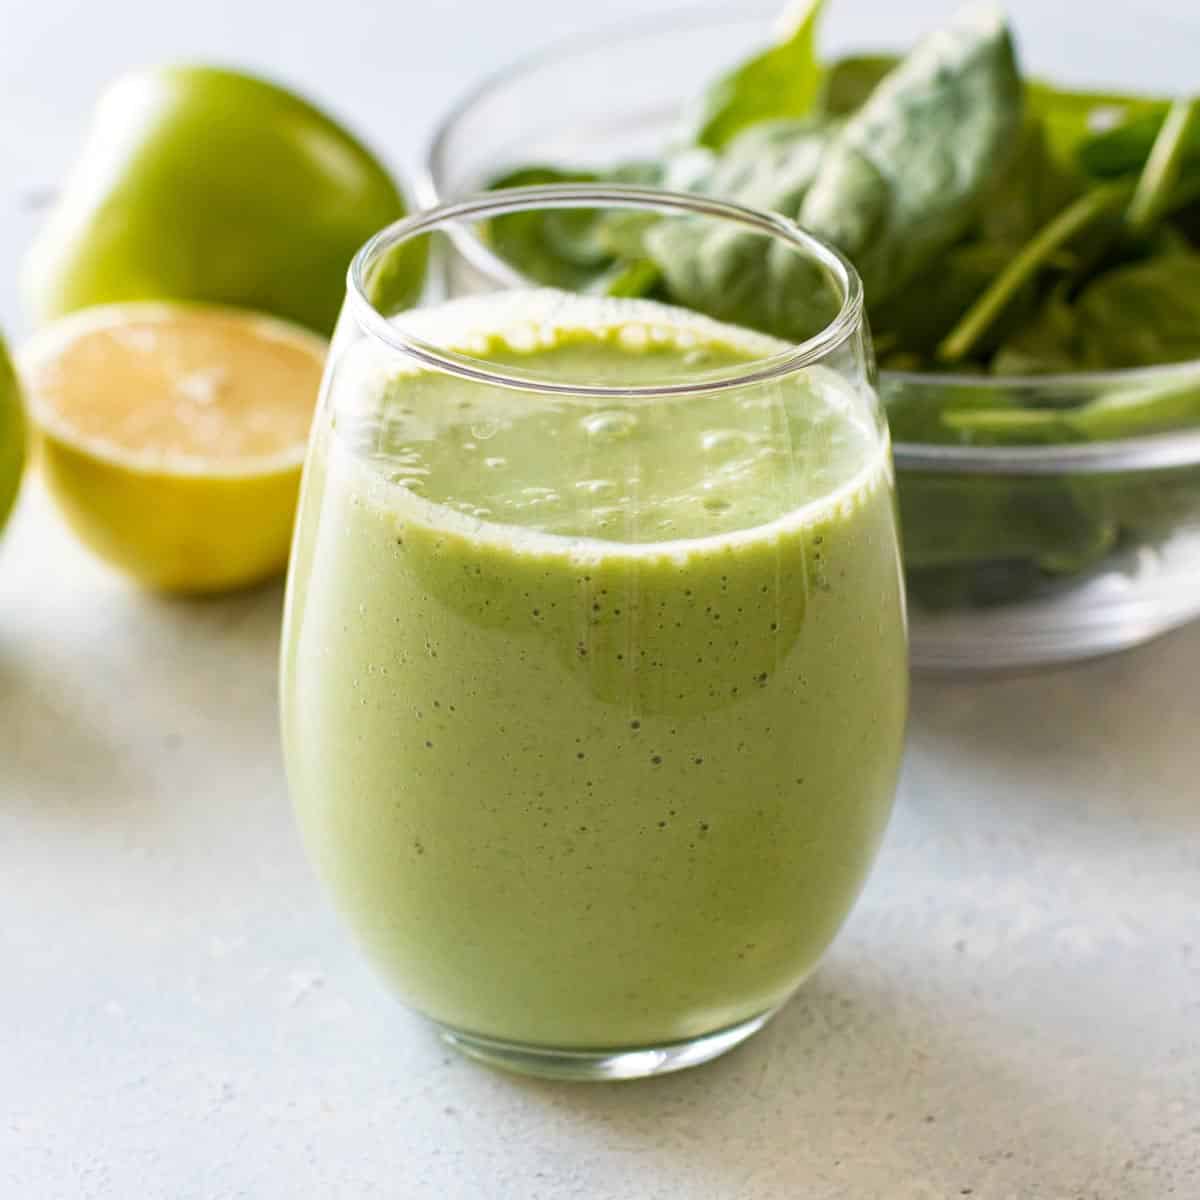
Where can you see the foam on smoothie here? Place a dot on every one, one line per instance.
(581, 784)
(624, 475)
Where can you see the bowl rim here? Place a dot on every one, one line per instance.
(1162, 451)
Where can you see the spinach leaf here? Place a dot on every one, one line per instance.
(578, 248)
(1030, 189)
(1073, 118)
(1136, 411)
(978, 539)
(1141, 314)
(1139, 411)
(622, 232)
(1028, 192)
(946, 289)
(629, 277)
(739, 275)
(1012, 426)
(1164, 164)
(1185, 222)
(1124, 148)
(782, 81)
(1135, 315)
(1070, 116)
(771, 165)
(1094, 208)
(915, 406)
(1045, 343)
(850, 81)
(978, 520)
(556, 247)
(903, 179)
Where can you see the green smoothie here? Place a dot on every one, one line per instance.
(593, 709)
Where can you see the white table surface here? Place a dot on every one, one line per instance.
(1013, 1010)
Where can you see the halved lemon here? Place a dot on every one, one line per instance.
(172, 436)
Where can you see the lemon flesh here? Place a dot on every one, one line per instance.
(172, 437)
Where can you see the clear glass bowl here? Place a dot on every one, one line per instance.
(1015, 556)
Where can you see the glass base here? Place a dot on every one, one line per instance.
(633, 1062)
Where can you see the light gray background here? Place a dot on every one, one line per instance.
(1012, 1011)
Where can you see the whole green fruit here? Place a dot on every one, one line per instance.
(12, 435)
(198, 183)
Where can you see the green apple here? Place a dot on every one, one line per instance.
(198, 183)
(12, 435)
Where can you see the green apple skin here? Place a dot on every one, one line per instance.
(200, 183)
(12, 435)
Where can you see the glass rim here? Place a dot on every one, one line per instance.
(447, 218)
(1173, 449)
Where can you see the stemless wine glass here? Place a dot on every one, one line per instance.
(594, 670)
